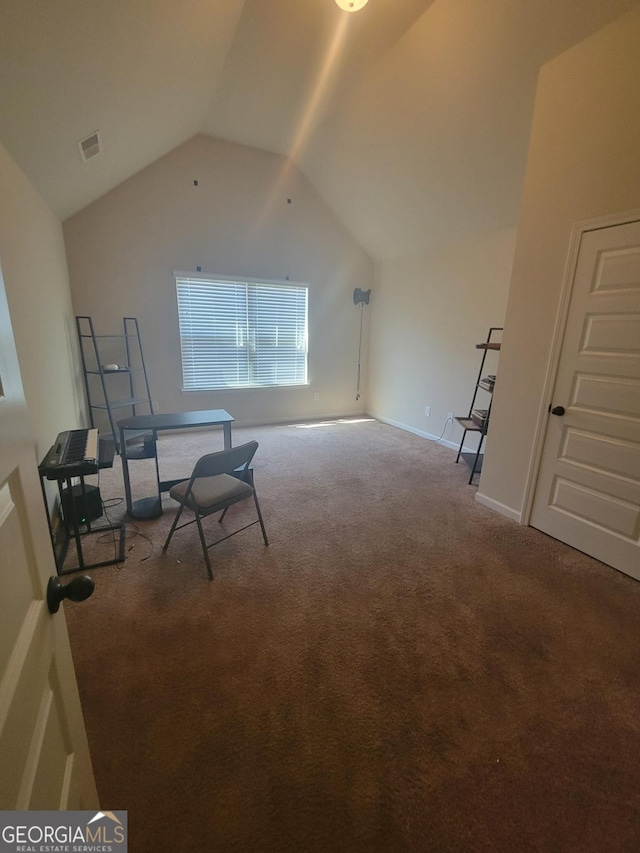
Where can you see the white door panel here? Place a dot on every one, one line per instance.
(45, 756)
(588, 490)
(597, 508)
(612, 396)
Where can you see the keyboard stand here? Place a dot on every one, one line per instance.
(72, 526)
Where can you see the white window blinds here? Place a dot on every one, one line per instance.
(241, 334)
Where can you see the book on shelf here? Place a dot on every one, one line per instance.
(488, 381)
(479, 416)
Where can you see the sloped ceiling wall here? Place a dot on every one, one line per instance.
(411, 117)
(139, 71)
(429, 146)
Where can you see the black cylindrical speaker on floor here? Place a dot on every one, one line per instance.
(87, 508)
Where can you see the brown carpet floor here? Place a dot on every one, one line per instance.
(401, 670)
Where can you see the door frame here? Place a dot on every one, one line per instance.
(553, 362)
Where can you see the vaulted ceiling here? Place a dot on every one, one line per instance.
(411, 117)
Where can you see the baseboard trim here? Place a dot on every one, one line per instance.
(503, 509)
(419, 432)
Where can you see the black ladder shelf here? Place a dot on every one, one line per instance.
(115, 375)
(478, 419)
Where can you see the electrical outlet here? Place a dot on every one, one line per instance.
(427, 410)
(316, 395)
(450, 416)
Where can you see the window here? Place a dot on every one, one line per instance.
(236, 334)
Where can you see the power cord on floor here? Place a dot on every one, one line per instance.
(444, 429)
(131, 530)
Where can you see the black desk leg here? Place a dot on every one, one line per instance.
(125, 470)
(226, 428)
(143, 508)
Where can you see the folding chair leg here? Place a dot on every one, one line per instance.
(204, 546)
(264, 532)
(173, 527)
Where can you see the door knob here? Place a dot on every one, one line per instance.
(76, 590)
(557, 410)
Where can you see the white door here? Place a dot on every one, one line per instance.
(588, 491)
(45, 758)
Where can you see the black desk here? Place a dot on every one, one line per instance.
(149, 426)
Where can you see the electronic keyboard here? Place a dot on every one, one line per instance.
(73, 454)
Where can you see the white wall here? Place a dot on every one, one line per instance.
(428, 313)
(34, 268)
(123, 250)
(583, 163)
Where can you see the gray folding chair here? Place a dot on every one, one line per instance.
(218, 481)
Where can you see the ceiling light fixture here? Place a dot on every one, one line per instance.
(351, 5)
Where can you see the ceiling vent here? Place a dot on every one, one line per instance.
(89, 146)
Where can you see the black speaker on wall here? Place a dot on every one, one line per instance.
(87, 508)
